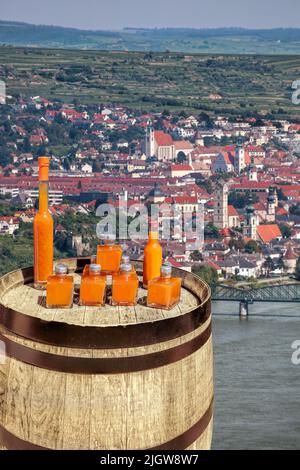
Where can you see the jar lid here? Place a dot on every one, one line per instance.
(127, 267)
(61, 269)
(166, 268)
(95, 268)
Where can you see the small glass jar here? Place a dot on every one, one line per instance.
(109, 254)
(60, 288)
(164, 291)
(93, 287)
(124, 286)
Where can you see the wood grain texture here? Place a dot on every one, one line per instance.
(137, 410)
(25, 299)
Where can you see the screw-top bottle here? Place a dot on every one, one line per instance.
(43, 230)
(60, 288)
(124, 286)
(109, 254)
(93, 287)
(164, 291)
(152, 256)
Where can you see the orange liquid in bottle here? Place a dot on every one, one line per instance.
(43, 230)
(164, 292)
(93, 288)
(60, 289)
(109, 256)
(124, 287)
(152, 258)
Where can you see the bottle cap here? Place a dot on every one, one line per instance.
(126, 267)
(44, 168)
(125, 259)
(95, 268)
(166, 268)
(61, 269)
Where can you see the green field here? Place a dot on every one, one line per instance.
(248, 85)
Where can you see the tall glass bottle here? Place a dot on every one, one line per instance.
(152, 256)
(43, 230)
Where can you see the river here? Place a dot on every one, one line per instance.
(257, 388)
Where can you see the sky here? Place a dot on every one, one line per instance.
(116, 14)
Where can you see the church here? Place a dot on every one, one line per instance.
(164, 148)
(232, 162)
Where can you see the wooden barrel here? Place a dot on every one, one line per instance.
(107, 378)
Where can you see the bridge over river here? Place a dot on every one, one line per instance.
(272, 293)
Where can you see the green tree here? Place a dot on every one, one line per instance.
(241, 200)
(285, 230)
(208, 274)
(252, 247)
(269, 264)
(196, 256)
(295, 209)
(237, 244)
(211, 231)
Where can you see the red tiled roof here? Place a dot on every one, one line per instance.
(183, 145)
(294, 127)
(174, 263)
(213, 265)
(227, 158)
(259, 206)
(247, 158)
(281, 211)
(185, 200)
(232, 212)
(181, 168)
(253, 148)
(225, 232)
(9, 219)
(268, 232)
(162, 139)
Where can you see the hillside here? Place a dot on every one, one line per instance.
(217, 84)
(222, 40)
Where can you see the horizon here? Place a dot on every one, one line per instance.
(151, 28)
(193, 14)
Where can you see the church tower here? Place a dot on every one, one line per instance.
(271, 205)
(150, 142)
(239, 160)
(221, 206)
(249, 229)
(252, 171)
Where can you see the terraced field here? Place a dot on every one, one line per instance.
(246, 85)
